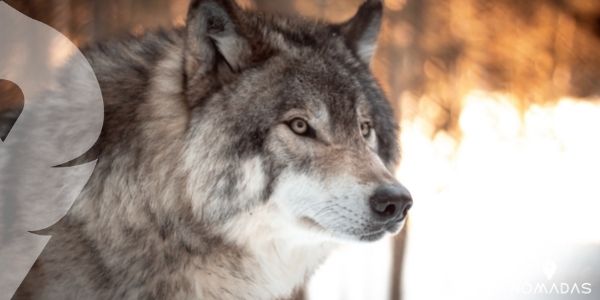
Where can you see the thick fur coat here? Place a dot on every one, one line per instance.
(236, 153)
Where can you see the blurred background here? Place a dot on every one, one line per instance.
(499, 106)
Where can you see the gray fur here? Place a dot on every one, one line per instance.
(196, 156)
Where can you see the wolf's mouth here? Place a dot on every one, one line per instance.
(378, 234)
(394, 227)
(371, 237)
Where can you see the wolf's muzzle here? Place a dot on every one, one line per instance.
(390, 203)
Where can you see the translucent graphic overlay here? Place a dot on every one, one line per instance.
(60, 121)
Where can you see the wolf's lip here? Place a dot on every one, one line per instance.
(391, 227)
(394, 227)
(311, 223)
(373, 236)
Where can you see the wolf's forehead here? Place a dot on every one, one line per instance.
(341, 91)
(321, 91)
(298, 31)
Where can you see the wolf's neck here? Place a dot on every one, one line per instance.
(252, 262)
(259, 255)
(273, 274)
(271, 262)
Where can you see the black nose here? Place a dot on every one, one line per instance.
(391, 202)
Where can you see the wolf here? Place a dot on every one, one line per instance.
(237, 152)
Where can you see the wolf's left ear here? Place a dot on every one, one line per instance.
(214, 36)
(361, 32)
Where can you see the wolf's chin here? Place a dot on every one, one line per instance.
(372, 237)
(379, 234)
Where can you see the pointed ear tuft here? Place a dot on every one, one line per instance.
(361, 32)
(213, 36)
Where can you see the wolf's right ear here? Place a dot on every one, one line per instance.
(213, 37)
(362, 30)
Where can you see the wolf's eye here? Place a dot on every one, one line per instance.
(299, 126)
(365, 129)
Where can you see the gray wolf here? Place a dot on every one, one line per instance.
(236, 153)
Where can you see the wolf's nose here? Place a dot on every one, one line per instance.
(391, 202)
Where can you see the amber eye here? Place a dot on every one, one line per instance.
(365, 129)
(299, 126)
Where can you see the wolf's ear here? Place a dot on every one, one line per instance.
(362, 30)
(213, 37)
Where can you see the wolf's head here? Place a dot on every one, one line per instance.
(287, 118)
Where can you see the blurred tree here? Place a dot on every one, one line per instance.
(538, 50)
